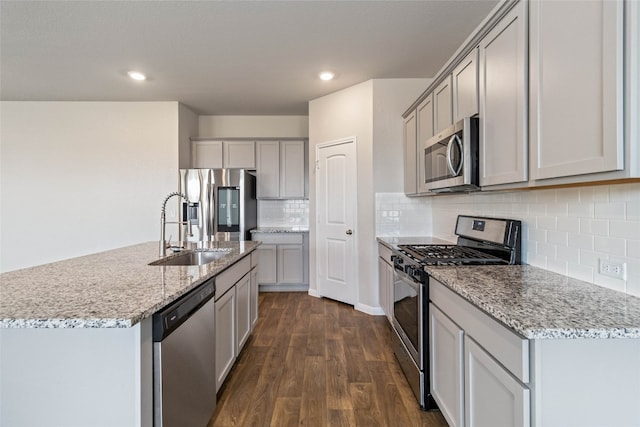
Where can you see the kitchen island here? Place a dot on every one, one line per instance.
(75, 337)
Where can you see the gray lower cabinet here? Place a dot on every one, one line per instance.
(236, 306)
(385, 280)
(479, 368)
(283, 260)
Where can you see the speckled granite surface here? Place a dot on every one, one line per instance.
(393, 241)
(113, 289)
(280, 230)
(540, 304)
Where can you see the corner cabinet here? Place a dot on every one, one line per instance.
(281, 169)
(576, 87)
(410, 153)
(503, 100)
(223, 154)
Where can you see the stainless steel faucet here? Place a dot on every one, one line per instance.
(163, 222)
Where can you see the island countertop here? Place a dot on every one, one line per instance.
(540, 304)
(112, 289)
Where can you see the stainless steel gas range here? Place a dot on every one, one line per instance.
(481, 241)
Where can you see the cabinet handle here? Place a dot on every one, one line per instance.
(349, 232)
(454, 139)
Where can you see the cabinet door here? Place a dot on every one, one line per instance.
(447, 366)
(254, 297)
(425, 132)
(267, 255)
(576, 84)
(465, 87)
(225, 335)
(410, 152)
(290, 264)
(442, 105)
(383, 293)
(239, 154)
(268, 169)
(292, 170)
(493, 397)
(206, 154)
(503, 101)
(243, 311)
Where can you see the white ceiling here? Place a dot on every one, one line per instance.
(222, 57)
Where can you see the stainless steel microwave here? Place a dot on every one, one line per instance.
(451, 158)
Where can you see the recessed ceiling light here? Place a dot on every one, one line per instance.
(326, 75)
(137, 75)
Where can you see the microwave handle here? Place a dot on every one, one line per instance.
(454, 171)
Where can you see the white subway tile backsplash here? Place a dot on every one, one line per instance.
(610, 245)
(283, 213)
(566, 230)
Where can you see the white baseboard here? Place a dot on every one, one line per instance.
(283, 288)
(374, 311)
(314, 293)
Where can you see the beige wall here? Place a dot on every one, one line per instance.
(82, 177)
(253, 126)
(370, 112)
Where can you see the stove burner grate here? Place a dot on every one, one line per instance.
(448, 254)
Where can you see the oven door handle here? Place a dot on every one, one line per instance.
(407, 278)
(455, 171)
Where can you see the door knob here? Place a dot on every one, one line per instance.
(349, 232)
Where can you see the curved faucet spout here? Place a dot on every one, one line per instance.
(163, 222)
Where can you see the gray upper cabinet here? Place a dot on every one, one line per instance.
(410, 163)
(442, 105)
(280, 169)
(425, 131)
(576, 87)
(223, 154)
(503, 100)
(465, 87)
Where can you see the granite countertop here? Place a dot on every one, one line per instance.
(112, 289)
(292, 229)
(540, 304)
(392, 242)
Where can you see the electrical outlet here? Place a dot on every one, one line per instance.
(613, 269)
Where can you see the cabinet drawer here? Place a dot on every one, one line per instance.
(229, 277)
(278, 238)
(507, 347)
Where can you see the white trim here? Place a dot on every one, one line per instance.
(283, 288)
(374, 311)
(348, 140)
(314, 293)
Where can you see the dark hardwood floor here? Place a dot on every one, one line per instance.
(317, 362)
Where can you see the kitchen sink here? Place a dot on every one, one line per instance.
(199, 257)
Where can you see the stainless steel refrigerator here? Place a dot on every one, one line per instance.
(221, 204)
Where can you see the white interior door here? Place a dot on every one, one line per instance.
(335, 215)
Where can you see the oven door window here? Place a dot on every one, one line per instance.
(443, 159)
(406, 307)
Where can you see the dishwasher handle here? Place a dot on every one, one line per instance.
(175, 314)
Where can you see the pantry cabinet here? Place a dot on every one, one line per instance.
(443, 105)
(410, 152)
(465, 87)
(223, 154)
(503, 100)
(281, 169)
(576, 87)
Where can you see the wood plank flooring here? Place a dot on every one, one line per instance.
(317, 362)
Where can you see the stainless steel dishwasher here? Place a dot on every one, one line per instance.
(184, 380)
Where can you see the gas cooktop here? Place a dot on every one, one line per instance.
(448, 255)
